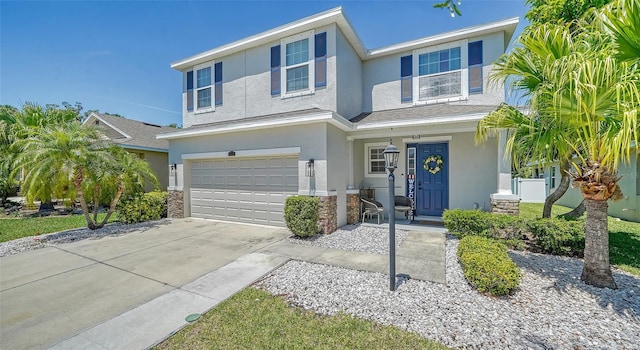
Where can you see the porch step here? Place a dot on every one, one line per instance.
(429, 220)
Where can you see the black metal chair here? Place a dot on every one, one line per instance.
(404, 204)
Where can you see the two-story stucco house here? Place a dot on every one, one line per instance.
(306, 109)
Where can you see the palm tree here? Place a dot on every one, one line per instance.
(123, 173)
(57, 155)
(597, 97)
(29, 121)
(534, 137)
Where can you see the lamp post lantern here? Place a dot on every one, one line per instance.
(391, 155)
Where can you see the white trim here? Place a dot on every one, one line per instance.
(337, 16)
(367, 159)
(244, 153)
(96, 116)
(429, 139)
(196, 110)
(392, 132)
(324, 116)
(508, 25)
(310, 63)
(417, 122)
(464, 72)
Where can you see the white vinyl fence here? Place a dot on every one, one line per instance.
(530, 190)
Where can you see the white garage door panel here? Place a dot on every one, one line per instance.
(247, 190)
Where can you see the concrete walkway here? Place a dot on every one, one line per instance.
(132, 291)
(421, 256)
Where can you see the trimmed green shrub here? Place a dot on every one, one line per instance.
(487, 265)
(558, 236)
(478, 223)
(142, 207)
(552, 236)
(301, 213)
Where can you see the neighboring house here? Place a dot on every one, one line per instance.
(627, 208)
(138, 138)
(306, 109)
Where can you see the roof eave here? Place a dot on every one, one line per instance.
(326, 116)
(334, 15)
(508, 26)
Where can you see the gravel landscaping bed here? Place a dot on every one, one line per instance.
(357, 238)
(36, 242)
(552, 309)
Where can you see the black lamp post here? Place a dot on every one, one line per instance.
(391, 155)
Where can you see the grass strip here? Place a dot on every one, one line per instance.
(255, 319)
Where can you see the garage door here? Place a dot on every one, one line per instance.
(243, 189)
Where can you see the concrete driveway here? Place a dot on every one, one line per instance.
(52, 294)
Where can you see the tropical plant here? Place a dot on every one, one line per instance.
(28, 121)
(586, 81)
(78, 157)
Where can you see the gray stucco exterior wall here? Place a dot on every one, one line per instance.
(381, 82)
(338, 169)
(247, 86)
(349, 78)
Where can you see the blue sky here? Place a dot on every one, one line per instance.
(115, 56)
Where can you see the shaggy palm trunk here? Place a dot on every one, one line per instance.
(562, 188)
(597, 270)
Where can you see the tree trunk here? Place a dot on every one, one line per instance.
(77, 182)
(562, 188)
(112, 205)
(576, 212)
(96, 200)
(597, 270)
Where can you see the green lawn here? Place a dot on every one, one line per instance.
(624, 237)
(14, 228)
(254, 319)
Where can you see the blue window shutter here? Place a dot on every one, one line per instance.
(406, 66)
(406, 78)
(320, 54)
(475, 53)
(190, 91)
(321, 45)
(218, 83)
(275, 70)
(476, 80)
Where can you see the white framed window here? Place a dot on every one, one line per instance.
(298, 71)
(200, 88)
(442, 73)
(374, 160)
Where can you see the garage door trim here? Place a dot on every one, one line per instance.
(265, 152)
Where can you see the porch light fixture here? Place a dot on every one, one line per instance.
(172, 169)
(391, 156)
(309, 169)
(231, 154)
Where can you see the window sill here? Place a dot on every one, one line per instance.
(202, 111)
(441, 100)
(297, 94)
(375, 175)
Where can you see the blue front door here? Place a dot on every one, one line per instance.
(432, 179)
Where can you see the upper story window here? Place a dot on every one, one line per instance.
(297, 65)
(204, 87)
(448, 72)
(439, 74)
(299, 62)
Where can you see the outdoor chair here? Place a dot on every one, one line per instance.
(404, 204)
(372, 207)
